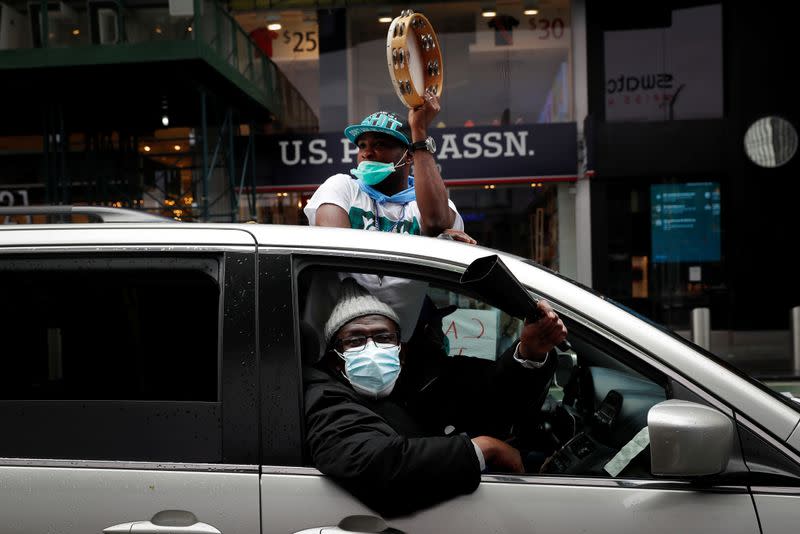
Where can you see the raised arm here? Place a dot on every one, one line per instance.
(431, 192)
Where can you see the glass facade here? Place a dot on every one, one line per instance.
(689, 215)
(520, 219)
(501, 66)
(506, 72)
(667, 72)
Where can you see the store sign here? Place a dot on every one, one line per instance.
(666, 73)
(13, 197)
(686, 224)
(535, 150)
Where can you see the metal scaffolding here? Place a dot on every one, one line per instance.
(100, 139)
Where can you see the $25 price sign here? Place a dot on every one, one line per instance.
(297, 40)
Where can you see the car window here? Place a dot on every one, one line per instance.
(473, 327)
(124, 334)
(591, 402)
(104, 358)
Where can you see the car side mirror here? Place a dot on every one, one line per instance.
(688, 439)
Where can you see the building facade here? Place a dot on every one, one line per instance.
(691, 153)
(646, 149)
(507, 133)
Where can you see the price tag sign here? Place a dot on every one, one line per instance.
(298, 39)
(511, 30)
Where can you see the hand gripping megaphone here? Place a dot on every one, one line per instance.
(489, 275)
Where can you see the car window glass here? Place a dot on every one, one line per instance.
(124, 334)
(111, 358)
(474, 328)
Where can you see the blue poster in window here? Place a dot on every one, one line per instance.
(685, 222)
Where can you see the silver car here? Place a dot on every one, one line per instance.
(152, 382)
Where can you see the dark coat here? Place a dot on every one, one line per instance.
(394, 453)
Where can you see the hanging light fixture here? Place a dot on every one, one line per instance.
(530, 7)
(384, 17)
(488, 10)
(164, 111)
(273, 22)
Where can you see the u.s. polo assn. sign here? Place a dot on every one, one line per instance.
(534, 150)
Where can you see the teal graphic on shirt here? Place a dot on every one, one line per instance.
(365, 220)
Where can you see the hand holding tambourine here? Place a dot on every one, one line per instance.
(414, 59)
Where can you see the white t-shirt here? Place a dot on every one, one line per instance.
(404, 296)
(343, 191)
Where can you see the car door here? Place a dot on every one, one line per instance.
(560, 502)
(128, 394)
(775, 477)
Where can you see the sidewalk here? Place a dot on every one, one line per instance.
(761, 353)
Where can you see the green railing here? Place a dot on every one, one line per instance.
(219, 30)
(205, 22)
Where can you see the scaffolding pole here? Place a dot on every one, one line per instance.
(232, 168)
(204, 135)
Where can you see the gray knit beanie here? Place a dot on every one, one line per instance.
(355, 301)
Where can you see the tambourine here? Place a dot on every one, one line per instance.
(414, 58)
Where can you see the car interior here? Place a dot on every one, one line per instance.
(596, 403)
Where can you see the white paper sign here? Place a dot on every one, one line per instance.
(472, 333)
(298, 39)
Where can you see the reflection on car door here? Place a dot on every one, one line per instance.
(515, 504)
(128, 392)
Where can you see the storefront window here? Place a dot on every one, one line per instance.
(520, 219)
(505, 68)
(517, 67)
(281, 207)
(663, 247)
(505, 133)
(673, 71)
(290, 38)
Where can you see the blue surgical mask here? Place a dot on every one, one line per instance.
(374, 172)
(372, 371)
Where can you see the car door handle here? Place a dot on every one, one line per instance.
(165, 522)
(355, 523)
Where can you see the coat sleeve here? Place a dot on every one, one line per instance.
(389, 472)
(480, 396)
(520, 389)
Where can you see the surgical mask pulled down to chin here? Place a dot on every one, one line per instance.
(372, 371)
(374, 172)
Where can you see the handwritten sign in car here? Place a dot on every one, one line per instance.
(472, 333)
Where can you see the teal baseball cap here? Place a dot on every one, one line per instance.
(384, 122)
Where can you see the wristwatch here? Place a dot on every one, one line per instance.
(428, 144)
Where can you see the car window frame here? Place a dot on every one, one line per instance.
(234, 417)
(445, 274)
